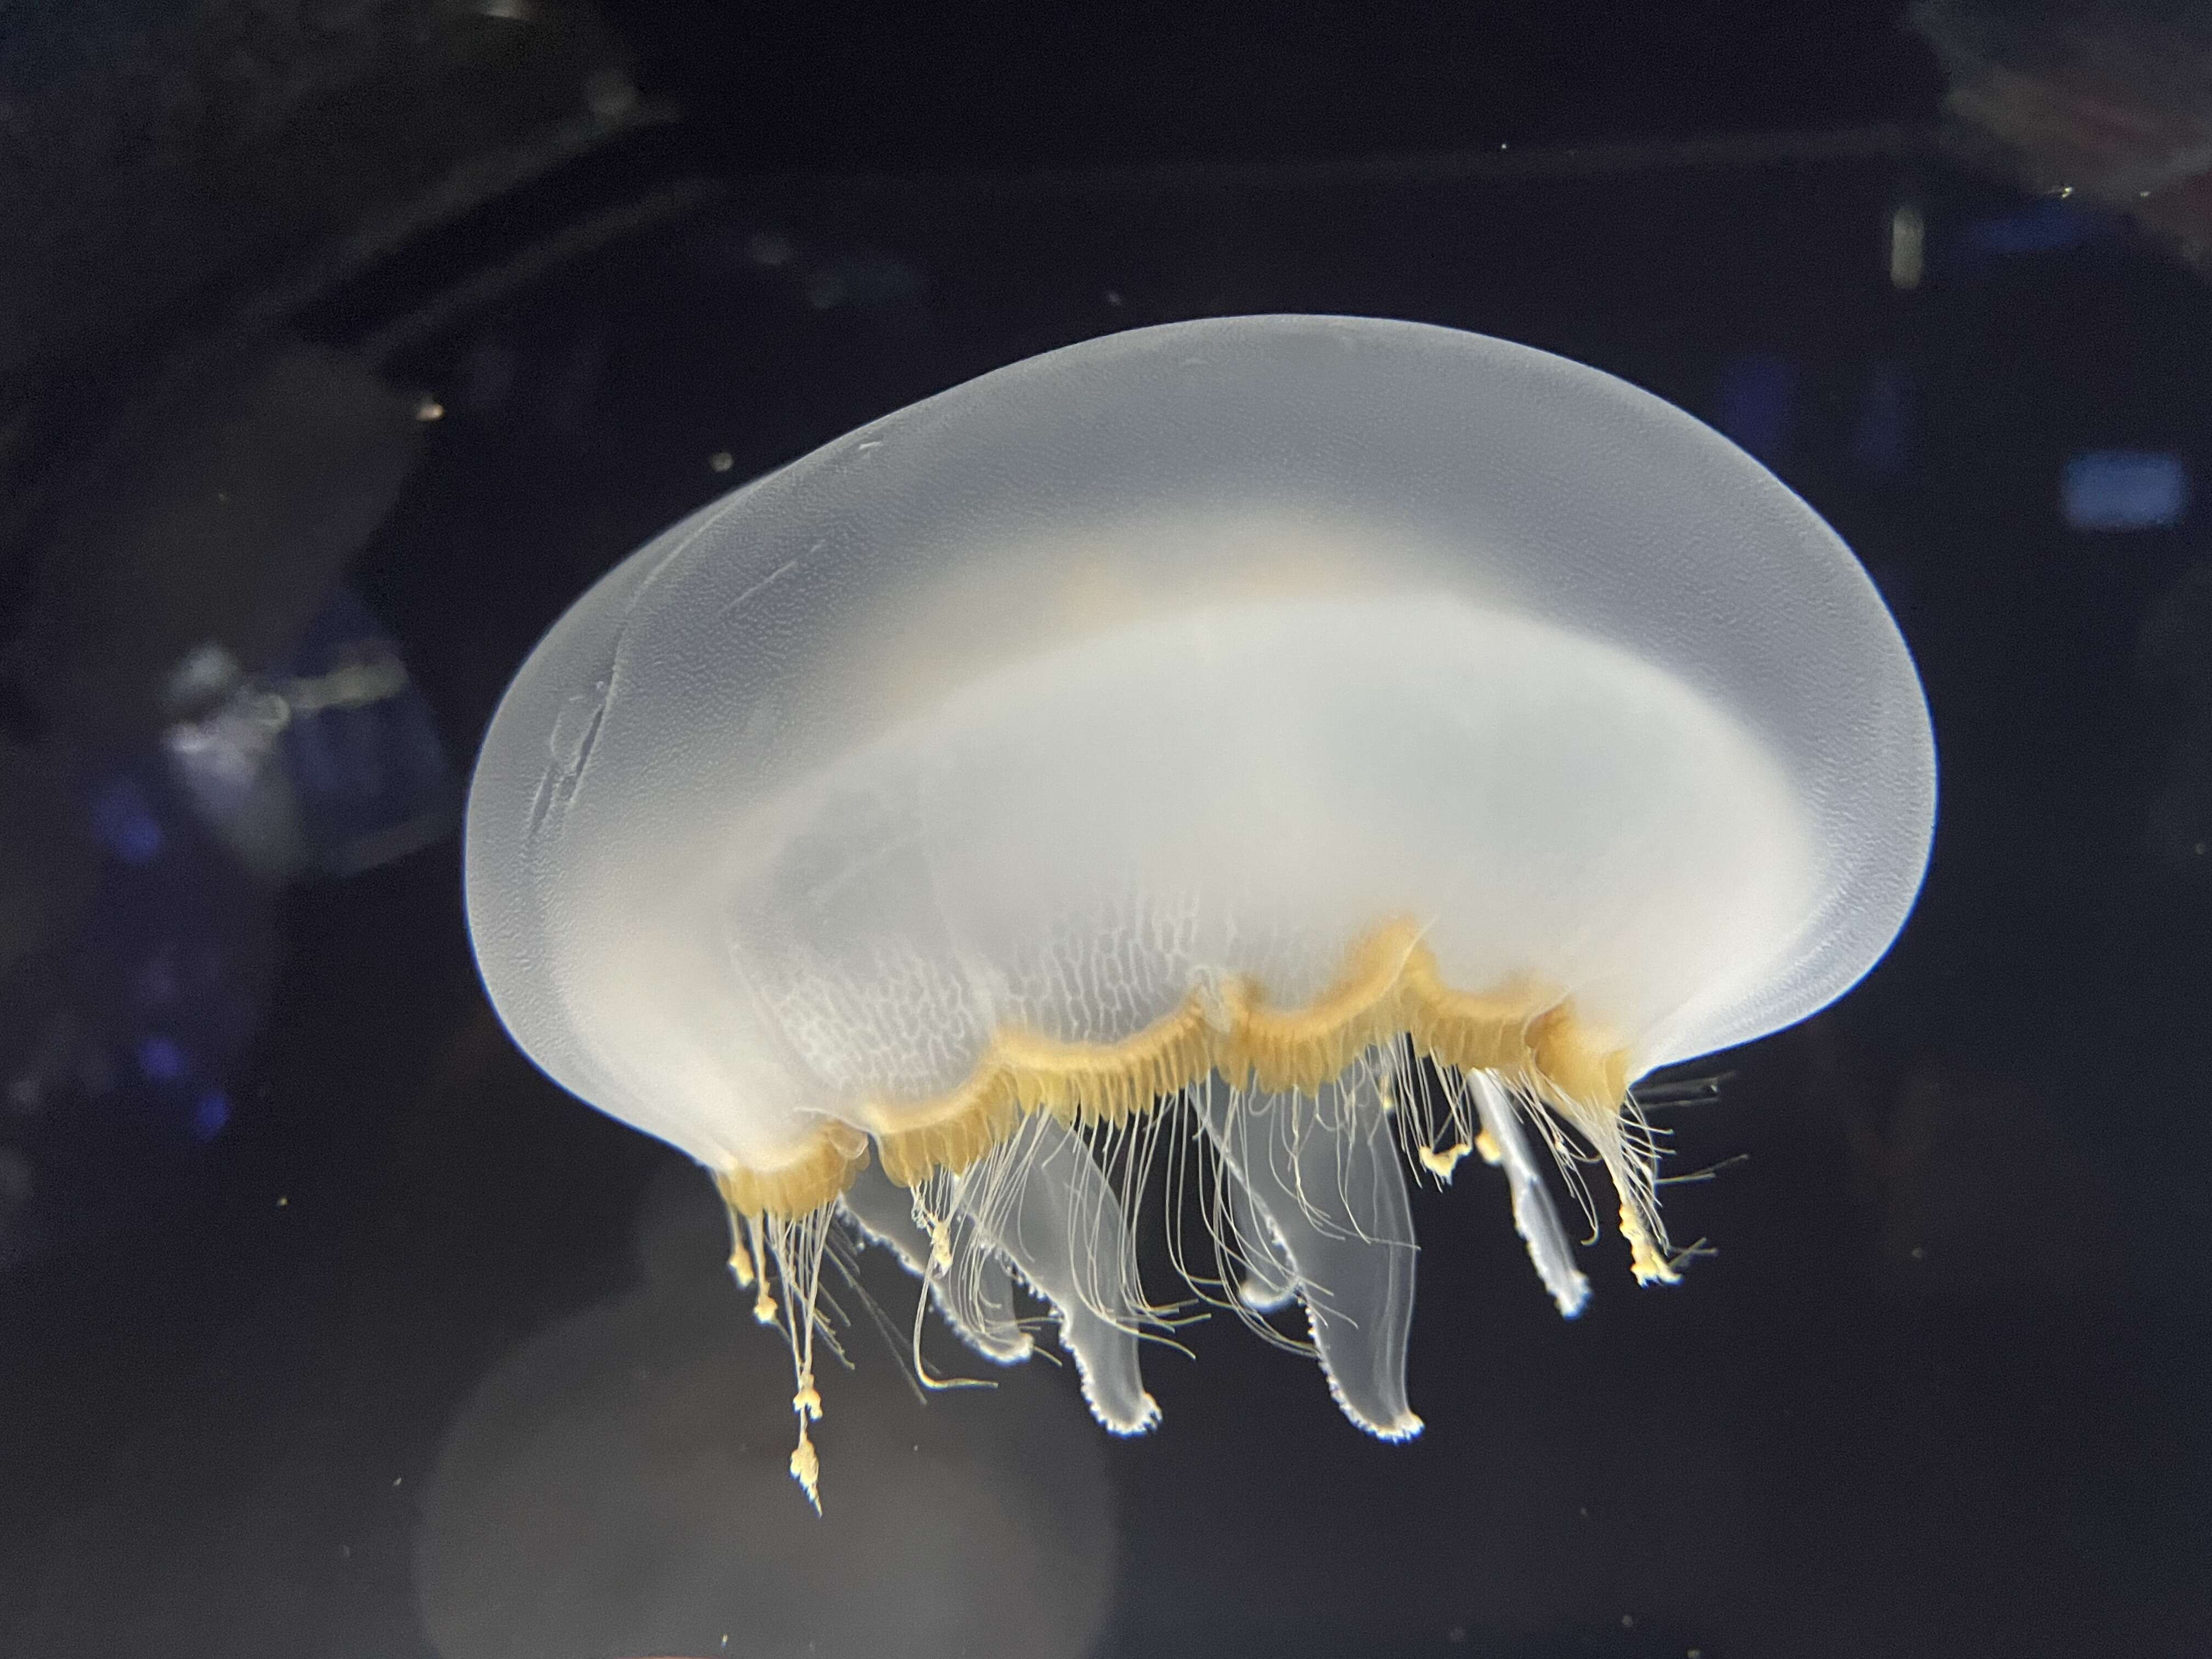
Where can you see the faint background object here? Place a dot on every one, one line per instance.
(2173, 659)
(327, 764)
(2125, 489)
(221, 504)
(2108, 103)
(158, 155)
(122, 1035)
(616, 1486)
(195, 714)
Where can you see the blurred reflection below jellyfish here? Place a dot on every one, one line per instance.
(1292, 751)
(597, 1497)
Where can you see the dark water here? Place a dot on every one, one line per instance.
(328, 1327)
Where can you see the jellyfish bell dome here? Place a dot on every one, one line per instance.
(1211, 723)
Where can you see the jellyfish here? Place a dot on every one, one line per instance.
(1254, 763)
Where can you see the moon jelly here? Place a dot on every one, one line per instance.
(1292, 752)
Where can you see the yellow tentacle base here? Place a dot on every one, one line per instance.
(1526, 1033)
